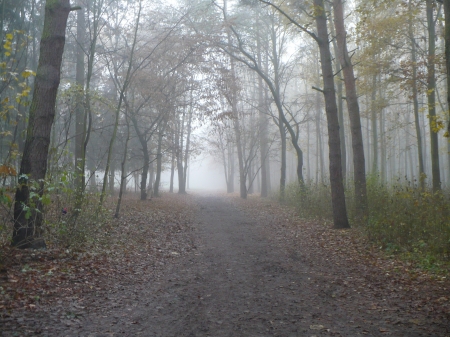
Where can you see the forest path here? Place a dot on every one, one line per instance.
(195, 266)
(241, 282)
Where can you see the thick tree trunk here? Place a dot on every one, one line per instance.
(337, 187)
(340, 95)
(28, 225)
(359, 164)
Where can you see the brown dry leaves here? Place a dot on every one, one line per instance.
(347, 265)
(135, 246)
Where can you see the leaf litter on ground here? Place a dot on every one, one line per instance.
(346, 262)
(56, 282)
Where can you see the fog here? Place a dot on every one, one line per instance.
(204, 174)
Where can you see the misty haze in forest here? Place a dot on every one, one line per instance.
(281, 99)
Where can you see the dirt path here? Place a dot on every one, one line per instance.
(239, 281)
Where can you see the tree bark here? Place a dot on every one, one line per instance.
(159, 160)
(359, 164)
(415, 98)
(337, 186)
(79, 109)
(447, 56)
(431, 94)
(123, 172)
(28, 227)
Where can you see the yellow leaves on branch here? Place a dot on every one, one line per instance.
(8, 43)
(27, 73)
(437, 123)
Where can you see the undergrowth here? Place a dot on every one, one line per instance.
(402, 219)
(61, 228)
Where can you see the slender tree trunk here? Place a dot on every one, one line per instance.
(28, 225)
(123, 171)
(383, 150)
(447, 62)
(416, 100)
(180, 145)
(188, 144)
(263, 125)
(79, 109)
(319, 148)
(231, 166)
(431, 80)
(119, 106)
(145, 170)
(283, 159)
(337, 187)
(159, 160)
(172, 164)
(373, 126)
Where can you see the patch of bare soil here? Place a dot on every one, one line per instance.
(234, 268)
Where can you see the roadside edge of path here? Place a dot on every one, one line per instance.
(346, 257)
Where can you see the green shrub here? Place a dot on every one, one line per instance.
(61, 227)
(401, 218)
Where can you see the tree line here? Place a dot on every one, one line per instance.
(96, 92)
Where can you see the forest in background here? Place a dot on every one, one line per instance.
(337, 108)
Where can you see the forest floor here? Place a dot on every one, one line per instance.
(211, 265)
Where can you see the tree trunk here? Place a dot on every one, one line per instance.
(28, 225)
(179, 137)
(79, 109)
(359, 164)
(337, 188)
(447, 57)
(172, 165)
(146, 157)
(415, 99)
(123, 172)
(159, 160)
(431, 94)
(188, 144)
(230, 152)
(145, 168)
(319, 147)
(263, 125)
(373, 125)
(119, 106)
(340, 95)
(282, 132)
